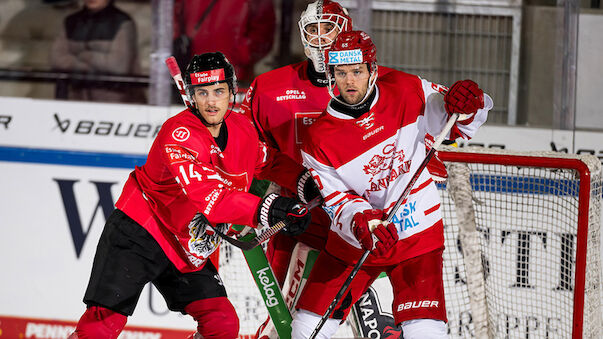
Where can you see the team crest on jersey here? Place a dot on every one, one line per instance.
(203, 240)
(303, 120)
(390, 161)
(367, 122)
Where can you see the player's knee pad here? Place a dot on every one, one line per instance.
(424, 329)
(99, 323)
(212, 311)
(304, 323)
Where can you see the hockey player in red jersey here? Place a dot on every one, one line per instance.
(362, 153)
(195, 180)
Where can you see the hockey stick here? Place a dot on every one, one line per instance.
(247, 245)
(177, 76)
(451, 121)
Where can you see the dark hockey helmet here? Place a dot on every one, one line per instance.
(349, 48)
(209, 69)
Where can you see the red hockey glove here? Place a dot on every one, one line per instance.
(275, 208)
(464, 97)
(306, 187)
(386, 235)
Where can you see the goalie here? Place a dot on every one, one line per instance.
(195, 180)
(362, 152)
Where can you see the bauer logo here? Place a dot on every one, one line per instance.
(345, 57)
(207, 77)
(268, 286)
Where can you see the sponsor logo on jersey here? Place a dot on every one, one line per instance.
(417, 304)
(201, 78)
(367, 122)
(268, 286)
(406, 218)
(303, 120)
(372, 321)
(345, 57)
(213, 149)
(292, 94)
(179, 153)
(373, 132)
(237, 180)
(181, 134)
(211, 200)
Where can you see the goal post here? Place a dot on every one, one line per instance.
(522, 232)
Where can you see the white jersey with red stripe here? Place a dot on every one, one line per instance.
(367, 162)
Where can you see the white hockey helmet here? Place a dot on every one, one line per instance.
(315, 42)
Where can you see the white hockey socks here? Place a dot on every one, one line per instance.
(424, 329)
(304, 323)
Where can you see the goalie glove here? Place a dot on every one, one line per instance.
(464, 97)
(381, 239)
(275, 208)
(306, 187)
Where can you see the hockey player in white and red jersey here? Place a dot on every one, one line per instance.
(362, 153)
(195, 180)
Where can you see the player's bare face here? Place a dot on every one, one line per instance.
(321, 34)
(352, 82)
(212, 102)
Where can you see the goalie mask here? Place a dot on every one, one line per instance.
(315, 38)
(209, 69)
(350, 48)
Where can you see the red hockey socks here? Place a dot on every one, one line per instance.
(99, 323)
(216, 318)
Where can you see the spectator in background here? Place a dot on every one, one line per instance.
(241, 29)
(101, 39)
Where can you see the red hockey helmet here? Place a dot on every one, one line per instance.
(315, 41)
(350, 48)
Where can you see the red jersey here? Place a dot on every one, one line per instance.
(367, 162)
(187, 173)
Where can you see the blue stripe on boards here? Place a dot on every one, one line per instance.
(73, 158)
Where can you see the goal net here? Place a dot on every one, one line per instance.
(522, 256)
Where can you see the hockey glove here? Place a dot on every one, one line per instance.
(306, 187)
(464, 97)
(381, 239)
(275, 208)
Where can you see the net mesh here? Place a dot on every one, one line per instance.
(526, 224)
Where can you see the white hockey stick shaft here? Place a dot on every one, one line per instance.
(443, 134)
